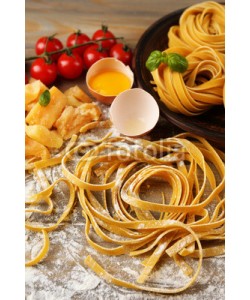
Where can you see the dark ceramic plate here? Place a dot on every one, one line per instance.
(210, 125)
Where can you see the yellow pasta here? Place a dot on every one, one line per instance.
(200, 37)
(40, 256)
(197, 89)
(202, 24)
(193, 211)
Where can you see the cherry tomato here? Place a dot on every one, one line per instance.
(70, 66)
(121, 52)
(76, 39)
(92, 54)
(44, 71)
(53, 44)
(104, 33)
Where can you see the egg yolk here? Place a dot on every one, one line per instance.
(110, 83)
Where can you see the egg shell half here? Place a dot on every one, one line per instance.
(107, 64)
(134, 112)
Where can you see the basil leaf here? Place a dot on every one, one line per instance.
(177, 62)
(44, 98)
(154, 60)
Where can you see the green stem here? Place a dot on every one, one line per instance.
(34, 57)
(77, 33)
(66, 49)
(104, 28)
(125, 47)
(51, 36)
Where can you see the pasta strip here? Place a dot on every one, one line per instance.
(200, 24)
(91, 263)
(43, 252)
(108, 177)
(46, 193)
(200, 37)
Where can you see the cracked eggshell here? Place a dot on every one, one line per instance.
(134, 112)
(107, 64)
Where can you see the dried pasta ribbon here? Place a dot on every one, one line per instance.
(117, 168)
(43, 252)
(34, 200)
(144, 232)
(196, 90)
(200, 37)
(96, 124)
(92, 264)
(46, 194)
(200, 24)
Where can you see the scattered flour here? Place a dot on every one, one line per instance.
(130, 271)
(62, 275)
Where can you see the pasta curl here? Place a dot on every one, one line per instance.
(115, 210)
(196, 90)
(200, 25)
(109, 177)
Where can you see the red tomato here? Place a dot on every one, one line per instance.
(104, 33)
(44, 71)
(92, 54)
(76, 39)
(26, 79)
(121, 52)
(70, 66)
(53, 44)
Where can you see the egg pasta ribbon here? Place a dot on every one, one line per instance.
(196, 90)
(189, 164)
(201, 24)
(108, 178)
(45, 229)
(200, 39)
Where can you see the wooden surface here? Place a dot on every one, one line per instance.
(125, 18)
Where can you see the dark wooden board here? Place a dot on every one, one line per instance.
(210, 125)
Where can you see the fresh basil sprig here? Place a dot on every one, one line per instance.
(44, 98)
(175, 61)
(155, 59)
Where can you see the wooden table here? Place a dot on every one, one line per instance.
(129, 19)
(125, 18)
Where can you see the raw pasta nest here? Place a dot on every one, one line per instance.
(200, 37)
(200, 25)
(196, 90)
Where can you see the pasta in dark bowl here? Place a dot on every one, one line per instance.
(210, 124)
